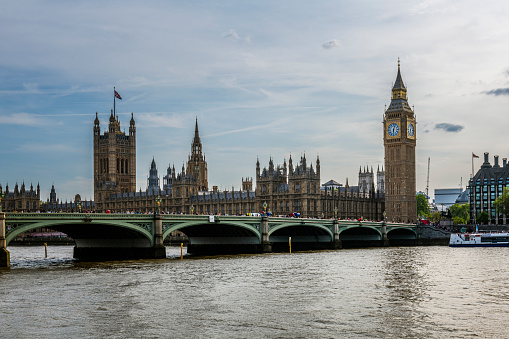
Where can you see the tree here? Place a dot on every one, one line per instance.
(502, 202)
(460, 211)
(422, 206)
(435, 216)
(483, 217)
(458, 221)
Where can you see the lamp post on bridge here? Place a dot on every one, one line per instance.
(158, 200)
(336, 213)
(192, 209)
(264, 207)
(80, 204)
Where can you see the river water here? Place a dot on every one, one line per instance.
(400, 292)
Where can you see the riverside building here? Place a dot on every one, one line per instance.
(485, 186)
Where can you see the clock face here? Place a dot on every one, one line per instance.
(393, 129)
(411, 130)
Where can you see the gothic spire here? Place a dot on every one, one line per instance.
(398, 84)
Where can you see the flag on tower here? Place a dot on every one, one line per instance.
(474, 156)
(117, 95)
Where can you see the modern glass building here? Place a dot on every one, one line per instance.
(486, 185)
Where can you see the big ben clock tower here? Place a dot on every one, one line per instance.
(399, 142)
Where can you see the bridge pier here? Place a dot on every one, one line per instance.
(336, 242)
(266, 245)
(159, 249)
(385, 240)
(4, 254)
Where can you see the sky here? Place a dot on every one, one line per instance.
(263, 78)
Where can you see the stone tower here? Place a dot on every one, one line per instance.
(196, 164)
(399, 142)
(114, 160)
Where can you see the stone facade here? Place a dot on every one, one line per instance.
(114, 161)
(287, 190)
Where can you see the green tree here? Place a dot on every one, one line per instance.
(458, 221)
(502, 202)
(483, 217)
(435, 216)
(422, 206)
(460, 211)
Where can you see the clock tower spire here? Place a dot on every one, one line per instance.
(399, 143)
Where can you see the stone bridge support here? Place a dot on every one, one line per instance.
(337, 243)
(266, 245)
(4, 254)
(385, 239)
(159, 248)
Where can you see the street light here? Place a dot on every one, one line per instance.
(335, 213)
(80, 203)
(158, 200)
(192, 209)
(264, 207)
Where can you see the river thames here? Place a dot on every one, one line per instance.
(400, 292)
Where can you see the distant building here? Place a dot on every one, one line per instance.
(446, 197)
(21, 199)
(153, 187)
(486, 185)
(366, 180)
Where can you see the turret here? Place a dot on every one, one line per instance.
(317, 165)
(132, 128)
(97, 128)
(257, 167)
(111, 125)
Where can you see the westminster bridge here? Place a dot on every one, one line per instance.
(101, 236)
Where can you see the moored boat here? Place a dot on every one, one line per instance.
(479, 240)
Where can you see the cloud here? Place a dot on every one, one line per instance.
(232, 35)
(51, 148)
(432, 7)
(26, 119)
(160, 120)
(331, 44)
(447, 127)
(498, 91)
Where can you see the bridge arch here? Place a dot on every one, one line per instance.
(87, 233)
(401, 233)
(360, 233)
(300, 232)
(220, 232)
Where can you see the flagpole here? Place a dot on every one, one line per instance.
(472, 175)
(472, 165)
(114, 112)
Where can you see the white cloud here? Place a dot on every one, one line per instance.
(331, 44)
(26, 119)
(232, 34)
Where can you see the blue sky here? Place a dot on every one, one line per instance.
(264, 78)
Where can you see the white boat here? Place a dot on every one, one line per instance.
(479, 240)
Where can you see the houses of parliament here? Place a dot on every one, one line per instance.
(281, 189)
